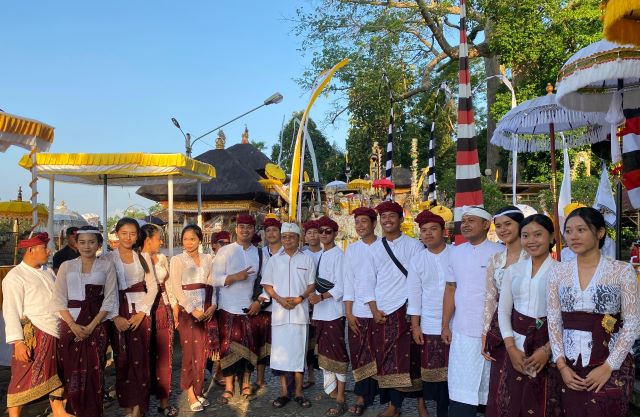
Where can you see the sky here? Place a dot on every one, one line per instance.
(109, 76)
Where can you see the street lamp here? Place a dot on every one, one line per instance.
(272, 99)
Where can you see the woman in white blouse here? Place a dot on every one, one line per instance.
(85, 297)
(594, 318)
(507, 223)
(522, 315)
(162, 328)
(189, 278)
(137, 293)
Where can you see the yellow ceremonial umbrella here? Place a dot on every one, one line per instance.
(570, 207)
(123, 169)
(443, 212)
(16, 210)
(274, 172)
(359, 184)
(270, 184)
(622, 21)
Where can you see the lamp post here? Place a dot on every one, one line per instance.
(275, 98)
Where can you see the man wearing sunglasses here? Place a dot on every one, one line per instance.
(328, 316)
(219, 240)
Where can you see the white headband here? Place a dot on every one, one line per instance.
(87, 232)
(476, 211)
(504, 213)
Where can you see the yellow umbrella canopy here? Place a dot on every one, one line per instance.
(443, 212)
(274, 172)
(25, 133)
(359, 184)
(21, 210)
(270, 184)
(622, 21)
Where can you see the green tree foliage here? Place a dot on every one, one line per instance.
(329, 157)
(259, 145)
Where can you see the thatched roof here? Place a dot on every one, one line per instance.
(250, 156)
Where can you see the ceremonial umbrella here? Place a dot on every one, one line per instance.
(359, 184)
(622, 21)
(125, 169)
(543, 116)
(335, 186)
(17, 210)
(383, 183)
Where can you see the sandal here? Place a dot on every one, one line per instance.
(168, 411)
(250, 396)
(280, 401)
(338, 410)
(223, 400)
(302, 402)
(203, 401)
(196, 406)
(357, 410)
(308, 384)
(258, 387)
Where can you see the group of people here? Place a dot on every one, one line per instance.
(502, 326)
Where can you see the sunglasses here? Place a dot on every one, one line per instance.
(222, 242)
(325, 231)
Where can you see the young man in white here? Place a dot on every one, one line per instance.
(289, 280)
(428, 271)
(468, 372)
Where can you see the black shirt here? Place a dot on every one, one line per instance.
(64, 254)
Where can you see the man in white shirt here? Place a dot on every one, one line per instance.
(313, 249)
(234, 270)
(468, 372)
(358, 263)
(397, 356)
(428, 272)
(289, 280)
(328, 315)
(312, 240)
(32, 330)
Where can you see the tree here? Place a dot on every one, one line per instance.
(259, 144)
(330, 159)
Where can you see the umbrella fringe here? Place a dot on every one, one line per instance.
(528, 144)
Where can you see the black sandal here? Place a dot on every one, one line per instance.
(358, 410)
(250, 396)
(168, 411)
(302, 402)
(280, 401)
(338, 410)
(222, 400)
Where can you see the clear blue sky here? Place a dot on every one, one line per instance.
(110, 75)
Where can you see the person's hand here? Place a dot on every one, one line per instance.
(517, 358)
(418, 337)
(571, 379)
(198, 314)
(353, 323)
(291, 302)
(21, 352)
(242, 275)
(483, 349)
(254, 309)
(121, 323)
(315, 298)
(136, 319)
(379, 317)
(596, 379)
(537, 360)
(209, 313)
(445, 335)
(176, 313)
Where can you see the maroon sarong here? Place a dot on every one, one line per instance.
(193, 340)
(39, 377)
(592, 322)
(236, 339)
(261, 329)
(434, 362)
(612, 400)
(332, 349)
(161, 346)
(363, 360)
(393, 344)
(523, 395)
(83, 362)
(212, 348)
(494, 345)
(131, 351)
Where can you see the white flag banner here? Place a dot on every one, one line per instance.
(605, 203)
(564, 199)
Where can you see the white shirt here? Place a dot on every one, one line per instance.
(358, 264)
(27, 293)
(314, 255)
(426, 281)
(161, 271)
(469, 271)
(290, 276)
(131, 274)
(331, 269)
(231, 259)
(184, 271)
(524, 293)
(266, 253)
(388, 288)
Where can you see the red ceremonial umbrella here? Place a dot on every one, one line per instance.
(383, 183)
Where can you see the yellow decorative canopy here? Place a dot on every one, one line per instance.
(21, 210)
(25, 133)
(359, 184)
(622, 21)
(443, 212)
(269, 184)
(125, 169)
(274, 172)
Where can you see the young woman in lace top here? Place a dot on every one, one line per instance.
(594, 318)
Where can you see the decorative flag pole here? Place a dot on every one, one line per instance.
(468, 185)
(34, 188)
(388, 172)
(431, 195)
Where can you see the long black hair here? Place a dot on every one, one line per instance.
(594, 220)
(543, 221)
(137, 246)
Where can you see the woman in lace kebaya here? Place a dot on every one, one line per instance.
(191, 285)
(137, 289)
(529, 389)
(85, 297)
(162, 328)
(507, 222)
(594, 318)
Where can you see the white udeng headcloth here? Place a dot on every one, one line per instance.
(476, 211)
